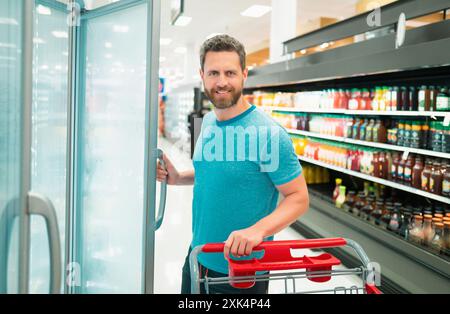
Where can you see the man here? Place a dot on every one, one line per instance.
(237, 183)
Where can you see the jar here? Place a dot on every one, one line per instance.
(349, 201)
(427, 230)
(446, 181)
(405, 224)
(437, 244)
(386, 217)
(416, 233)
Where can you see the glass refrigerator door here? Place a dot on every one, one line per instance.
(49, 133)
(11, 123)
(113, 135)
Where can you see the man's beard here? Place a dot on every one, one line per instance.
(223, 103)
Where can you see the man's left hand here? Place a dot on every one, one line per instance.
(241, 242)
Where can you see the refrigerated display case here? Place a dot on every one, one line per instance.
(292, 90)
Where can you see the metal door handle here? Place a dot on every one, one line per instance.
(42, 206)
(163, 193)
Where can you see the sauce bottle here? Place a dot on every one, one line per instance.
(443, 99)
(446, 181)
(445, 140)
(405, 224)
(406, 99)
(436, 178)
(394, 167)
(407, 171)
(386, 217)
(383, 166)
(367, 209)
(407, 134)
(416, 233)
(400, 133)
(394, 223)
(336, 189)
(399, 101)
(416, 179)
(427, 230)
(414, 99)
(377, 212)
(349, 201)
(426, 175)
(341, 198)
(363, 129)
(424, 128)
(415, 134)
(424, 98)
(356, 127)
(375, 165)
(400, 170)
(359, 204)
(437, 243)
(433, 98)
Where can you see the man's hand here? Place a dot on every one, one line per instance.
(241, 242)
(170, 173)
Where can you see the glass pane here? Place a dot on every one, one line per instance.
(50, 61)
(10, 141)
(113, 146)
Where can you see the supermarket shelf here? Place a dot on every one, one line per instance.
(435, 114)
(371, 144)
(377, 180)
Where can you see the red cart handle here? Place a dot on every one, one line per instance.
(292, 244)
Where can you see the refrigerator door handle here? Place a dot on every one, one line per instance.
(163, 193)
(42, 206)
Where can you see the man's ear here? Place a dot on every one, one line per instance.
(245, 73)
(201, 73)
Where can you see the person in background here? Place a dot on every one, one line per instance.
(236, 183)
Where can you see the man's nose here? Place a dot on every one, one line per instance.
(222, 81)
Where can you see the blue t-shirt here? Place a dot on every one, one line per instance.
(238, 163)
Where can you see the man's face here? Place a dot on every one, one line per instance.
(223, 78)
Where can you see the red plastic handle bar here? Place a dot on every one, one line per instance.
(293, 244)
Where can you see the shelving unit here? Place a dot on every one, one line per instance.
(371, 144)
(377, 180)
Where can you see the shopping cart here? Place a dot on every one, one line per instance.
(277, 257)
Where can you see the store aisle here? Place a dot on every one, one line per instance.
(173, 238)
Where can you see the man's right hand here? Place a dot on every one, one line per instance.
(170, 174)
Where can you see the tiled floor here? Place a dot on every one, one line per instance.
(173, 238)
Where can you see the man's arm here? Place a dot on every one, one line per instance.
(294, 205)
(172, 175)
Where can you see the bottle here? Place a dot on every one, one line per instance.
(341, 197)
(437, 243)
(436, 178)
(416, 180)
(376, 100)
(400, 133)
(424, 98)
(375, 165)
(377, 212)
(445, 140)
(415, 134)
(437, 134)
(424, 128)
(394, 167)
(379, 132)
(386, 217)
(355, 131)
(399, 98)
(446, 249)
(416, 233)
(360, 202)
(349, 201)
(407, 170)
(366, 188)
(446, 181)
(405, 223)
(383, 166)
(414, 98)
(368, 131)
(400, 170)
(427, 230)
(407, 134)
(394, 223)
(443, 100)
(337, 189)
(426, 175)
(363, 129)
(350, 123)
(406, 99)
(367, 209)
(433, 97)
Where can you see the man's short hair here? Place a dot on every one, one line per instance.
(222, 43)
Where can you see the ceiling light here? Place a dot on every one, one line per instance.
(180, 50)
(60, 34)
(165, 41)
(303, 51)
(108, 45)
(37, 40)
(4, 20)
(183, 21)
(43, 10)
(256, 10)
(324, 45)
(121, 28)
(108, 56)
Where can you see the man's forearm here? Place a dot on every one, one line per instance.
(186, 178)
(287, 212)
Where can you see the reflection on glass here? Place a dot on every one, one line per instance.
(113, 145)
(10, 141)
(50, 62)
